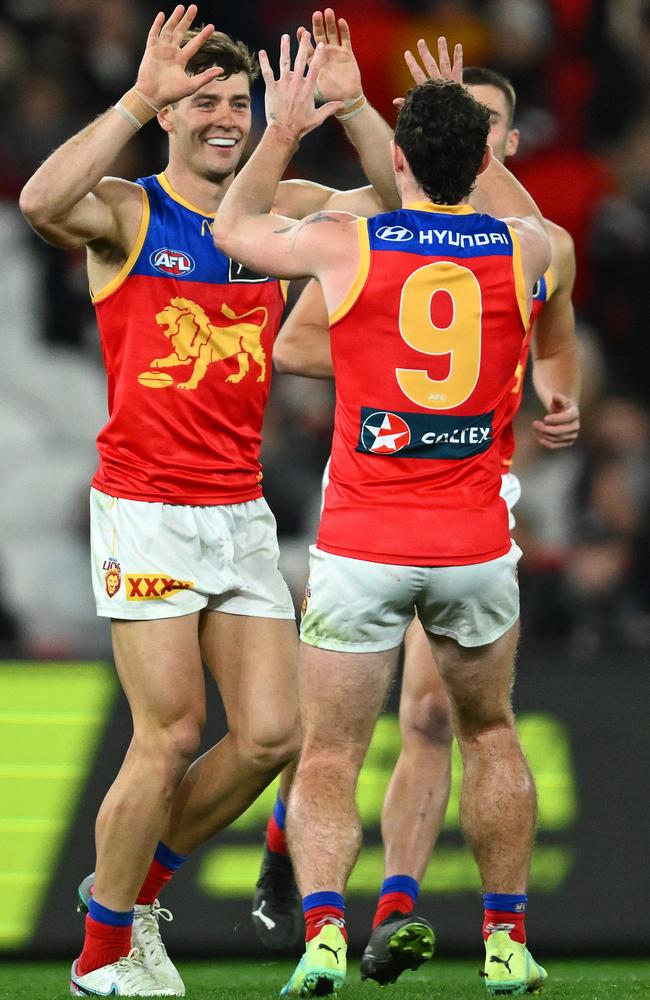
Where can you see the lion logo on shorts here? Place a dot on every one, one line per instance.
(197, 342)
(112, 576)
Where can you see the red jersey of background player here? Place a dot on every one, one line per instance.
(541, 294)
(187, 336)
(424, 351)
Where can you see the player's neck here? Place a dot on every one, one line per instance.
(413, 194)
(203, 194)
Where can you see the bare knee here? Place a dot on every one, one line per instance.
(171, 746)
(269, 749)
(426, 719)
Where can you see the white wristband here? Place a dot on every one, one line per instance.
(126, 114)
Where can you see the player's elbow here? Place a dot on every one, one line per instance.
(225, 239)
(33, 204)
(284, 357)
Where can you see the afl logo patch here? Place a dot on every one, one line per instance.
(171, 261)
(385, 433)
(394, 234)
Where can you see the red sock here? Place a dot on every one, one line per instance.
(275, 838)
(157, 877)
(319, 915)
(103, 945)
(389, 903)
(501, 920)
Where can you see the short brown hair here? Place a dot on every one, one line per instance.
(482, 76)
(222, 50)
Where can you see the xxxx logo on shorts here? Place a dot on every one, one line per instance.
(146, 587)
(112, 576)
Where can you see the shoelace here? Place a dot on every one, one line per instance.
(149, 931)
(134, 973)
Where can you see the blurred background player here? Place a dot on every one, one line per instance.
(413, 517)
(417, 796)
(179, 525)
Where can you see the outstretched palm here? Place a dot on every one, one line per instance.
(443, 69)
(339, 78)
(162, 77)
(290, 99)
(440, 70)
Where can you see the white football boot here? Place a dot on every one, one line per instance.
(146, 938)
(128, 977)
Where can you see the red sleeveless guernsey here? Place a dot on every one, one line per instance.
(424, 349)
(541, 294)
(187, 336)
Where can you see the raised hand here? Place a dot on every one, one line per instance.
(560, 426)
(290, 99)
(440, 70)
(443, 69)
(339, 78)
(162, 77)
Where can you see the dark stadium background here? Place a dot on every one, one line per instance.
(582, 72)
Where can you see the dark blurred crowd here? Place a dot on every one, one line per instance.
(581, 69)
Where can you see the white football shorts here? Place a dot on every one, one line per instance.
(356, 606)
(156, 560)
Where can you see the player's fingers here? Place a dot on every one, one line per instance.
(315, 66)
(443, 58)
(195, 43)
(346, 38)
(318, 27)
(174, 18)
(429, 63)
(285, 56)
(186, 21)
(417, 72)
(327, 110)
(156, 27)
(398, 102)
(301, 58)
(206, 77)
(557, 427)
(265, 68)
(560, 402)
(569, 416)
(330, 27)
(457, 68)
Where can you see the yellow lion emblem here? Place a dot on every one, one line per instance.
(198, 342)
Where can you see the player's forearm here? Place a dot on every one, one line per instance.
(557, 373)
(252, 192)
(304, 351)
(75, 168)
(371, 137)
(499, 193)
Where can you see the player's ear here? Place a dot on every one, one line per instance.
(398, 157)
(512, 142)
(487, 159)
(165, 118)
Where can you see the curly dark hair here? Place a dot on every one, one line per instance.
(443, 132)
(222, 50)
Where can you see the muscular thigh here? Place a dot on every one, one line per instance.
(254, 662)
(341, 695)
(159, 666)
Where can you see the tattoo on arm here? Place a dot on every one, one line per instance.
(296, 226)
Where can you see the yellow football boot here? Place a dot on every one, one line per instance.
(321, 970)
(510, 969)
